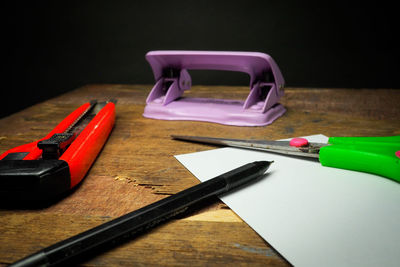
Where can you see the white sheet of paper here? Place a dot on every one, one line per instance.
(312, 215)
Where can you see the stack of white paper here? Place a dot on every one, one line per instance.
(312, 215)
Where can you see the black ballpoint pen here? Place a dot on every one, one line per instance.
(134, 222)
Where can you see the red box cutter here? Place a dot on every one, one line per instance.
(58, 162)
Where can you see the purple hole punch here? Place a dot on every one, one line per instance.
(170, 69)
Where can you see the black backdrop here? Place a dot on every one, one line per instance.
(56, 46)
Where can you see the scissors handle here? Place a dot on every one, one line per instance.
(377, 155)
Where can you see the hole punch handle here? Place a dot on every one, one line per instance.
(258, 65)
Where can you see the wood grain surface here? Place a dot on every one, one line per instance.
(136, 167)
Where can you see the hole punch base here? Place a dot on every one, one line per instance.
(228, 112)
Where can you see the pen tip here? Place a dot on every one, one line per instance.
(263, 165)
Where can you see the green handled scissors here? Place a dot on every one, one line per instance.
(377, 155)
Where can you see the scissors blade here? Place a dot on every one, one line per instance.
(282, 147)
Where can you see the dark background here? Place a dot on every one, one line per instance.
(56, 46)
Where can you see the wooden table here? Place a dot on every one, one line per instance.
(137, 167)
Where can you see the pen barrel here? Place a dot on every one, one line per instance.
(124, 227)
(127, 226)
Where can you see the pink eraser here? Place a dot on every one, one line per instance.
(397, 153)
(298, 142)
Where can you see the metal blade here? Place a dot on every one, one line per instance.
(80, 123)
(56, 145)
(282, 147)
